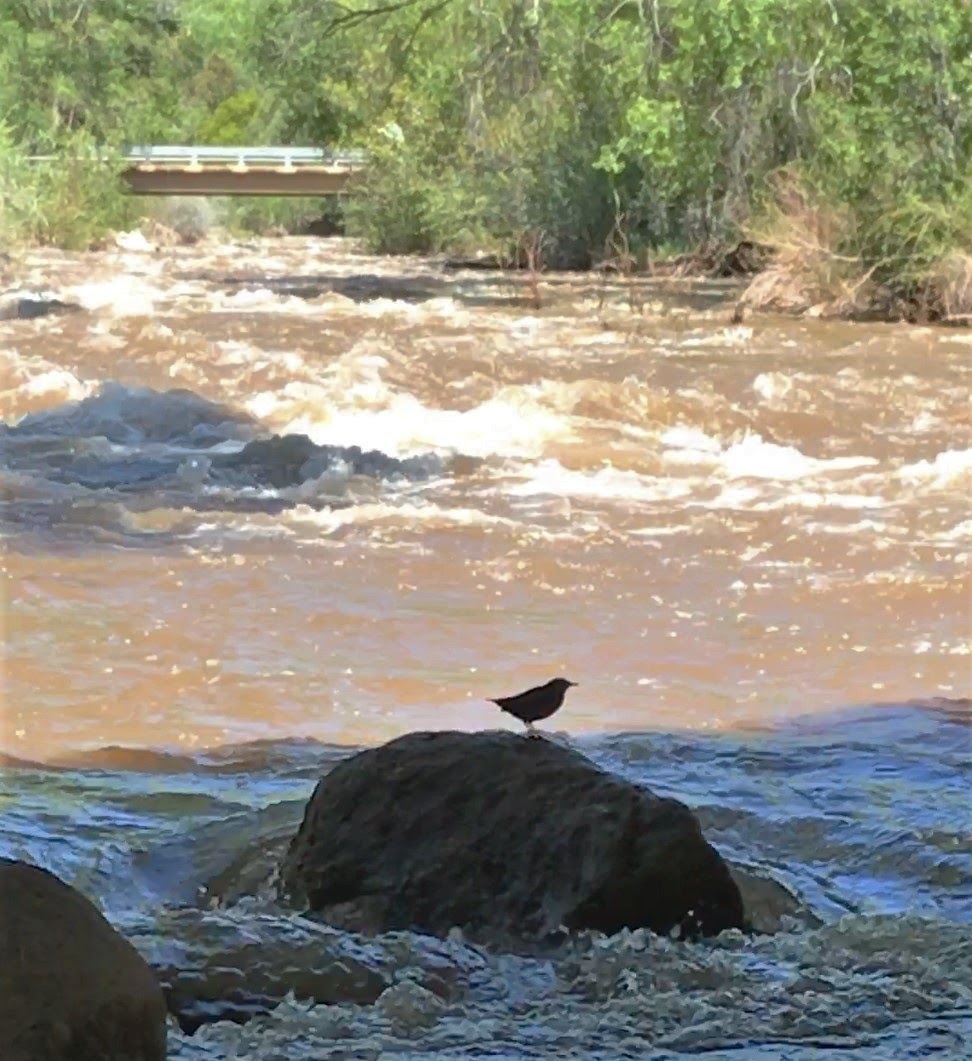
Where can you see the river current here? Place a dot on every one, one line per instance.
(749, 544)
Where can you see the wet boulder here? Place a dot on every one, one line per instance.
(71, 987)
(215, 966)
(276, 461)
(134, 416)
(28, 305)
(287, 460)
(507, 837)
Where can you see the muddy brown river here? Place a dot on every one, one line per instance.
(267, 501)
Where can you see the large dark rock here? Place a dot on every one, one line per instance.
(27, 305)
(286, 460)
(504, 836)
(71, 988)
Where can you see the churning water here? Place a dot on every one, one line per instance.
(749, 544)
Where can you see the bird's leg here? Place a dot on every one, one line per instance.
(532, 731)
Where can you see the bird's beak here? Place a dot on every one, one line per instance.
(572, 683)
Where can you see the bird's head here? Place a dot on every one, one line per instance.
(561, 684)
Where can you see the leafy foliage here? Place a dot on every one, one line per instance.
(500, 124)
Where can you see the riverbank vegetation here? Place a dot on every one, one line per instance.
(564, 132)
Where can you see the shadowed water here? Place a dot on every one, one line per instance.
(865, 819)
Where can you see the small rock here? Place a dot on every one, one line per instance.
(767, 902)
(408, 1005)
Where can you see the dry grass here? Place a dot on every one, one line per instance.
(174, 220)
(950, 288)
(808, 274)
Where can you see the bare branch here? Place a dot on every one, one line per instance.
(355, 17)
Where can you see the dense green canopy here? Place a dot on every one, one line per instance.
(578, 125)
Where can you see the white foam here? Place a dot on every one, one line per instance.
(550, 477)
(864, 527)
(925, 421)
(948, 468)
(762, 476)
(264, 300)
(246, 355)
(516, 422)
(121, 296)
(692, 439)
(337, 303)
(252, 298)
(755, 499)
(58, 383)
(753, 458)
(961, 532)
(442, 308)
(37, 378)
(772, 386)
(232, 352)
(675, 530)
(329, 521)
(385, 307)
(736, 335)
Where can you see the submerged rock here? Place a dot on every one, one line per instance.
(219, 965)
(176, 441)
(71, 987)
(134, 416)
(767, 902)
(507, 837)
(216, 966)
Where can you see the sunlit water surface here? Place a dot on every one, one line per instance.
(749, 544)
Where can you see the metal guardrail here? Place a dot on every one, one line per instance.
(287, 157)
(170, 169)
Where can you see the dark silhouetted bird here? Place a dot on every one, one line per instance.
(535, 704)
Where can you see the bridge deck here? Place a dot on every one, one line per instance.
(285, 171)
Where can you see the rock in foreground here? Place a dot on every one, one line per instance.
(71, 988)
(504, 836)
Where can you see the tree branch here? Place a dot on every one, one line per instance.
(352, 18)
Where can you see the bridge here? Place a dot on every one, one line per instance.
(288, 171)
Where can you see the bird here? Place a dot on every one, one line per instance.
(535, 704)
